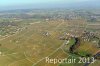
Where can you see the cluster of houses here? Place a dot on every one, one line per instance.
(87, 36)
(90, 36)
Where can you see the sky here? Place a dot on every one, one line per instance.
(25, 2)
(8, 4)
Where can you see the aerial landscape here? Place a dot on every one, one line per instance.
(50, 33)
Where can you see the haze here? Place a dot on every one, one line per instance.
(23, 4)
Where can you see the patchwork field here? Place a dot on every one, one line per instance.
(27, 39)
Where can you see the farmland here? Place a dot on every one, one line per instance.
(27, 37)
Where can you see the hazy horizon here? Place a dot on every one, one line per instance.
(25, 4)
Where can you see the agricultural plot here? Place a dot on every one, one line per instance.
(29, 39)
